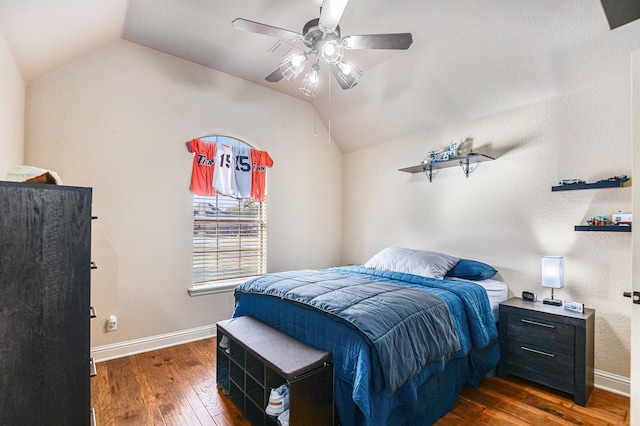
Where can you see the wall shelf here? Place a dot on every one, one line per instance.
(614, 183)
(605, 184)
(463, 162)
(606, 228)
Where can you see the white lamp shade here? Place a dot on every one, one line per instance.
(553, 271)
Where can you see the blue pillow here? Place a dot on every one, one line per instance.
(471, 270)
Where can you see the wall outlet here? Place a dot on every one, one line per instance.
(112, 323)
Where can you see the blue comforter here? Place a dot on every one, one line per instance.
(358, 370)
(408, 328)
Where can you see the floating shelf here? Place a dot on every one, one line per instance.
(595, 185)
(606, 228)
(463, 162)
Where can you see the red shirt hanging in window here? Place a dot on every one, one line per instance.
(203, 165)
(260, 161)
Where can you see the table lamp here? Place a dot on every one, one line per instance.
(552, 276)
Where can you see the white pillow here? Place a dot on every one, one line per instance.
(417, 262)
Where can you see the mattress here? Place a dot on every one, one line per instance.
(498, 292)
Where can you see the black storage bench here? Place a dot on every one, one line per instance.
(259, 358)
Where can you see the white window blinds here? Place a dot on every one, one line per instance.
(229, 238)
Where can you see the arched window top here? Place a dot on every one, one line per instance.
(228, 140)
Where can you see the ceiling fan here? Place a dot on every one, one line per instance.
(321, 38)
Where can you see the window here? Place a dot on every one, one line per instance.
(229, 237)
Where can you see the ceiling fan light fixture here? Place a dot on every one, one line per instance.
(332, 51)
(310, 82)
(293, 65)
(349, 74)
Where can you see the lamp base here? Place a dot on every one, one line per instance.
(554, 302)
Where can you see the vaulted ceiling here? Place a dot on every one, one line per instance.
(469, 58)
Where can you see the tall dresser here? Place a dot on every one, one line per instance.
(45, 267)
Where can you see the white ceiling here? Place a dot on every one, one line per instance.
(469, 58)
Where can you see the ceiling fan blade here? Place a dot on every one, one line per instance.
(275, 76)
(331, 12)
(378, 41)
(257, 27)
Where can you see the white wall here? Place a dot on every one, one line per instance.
(505, 213)
(11, 111)
(118, 120)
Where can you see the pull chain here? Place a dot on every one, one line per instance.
(329, 108)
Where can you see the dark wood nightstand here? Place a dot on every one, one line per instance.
(548, 345)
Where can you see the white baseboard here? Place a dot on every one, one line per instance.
(132, 347)
(612, 383)
(603, 380)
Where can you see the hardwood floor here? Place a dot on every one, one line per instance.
(177, 386)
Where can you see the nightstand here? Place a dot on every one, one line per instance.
(548, 345)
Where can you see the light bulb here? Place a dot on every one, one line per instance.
(329, 49)
(332, 52)
(297, 60)
(293, 65)
(346, 67)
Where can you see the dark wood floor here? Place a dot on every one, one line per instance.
(177, 386)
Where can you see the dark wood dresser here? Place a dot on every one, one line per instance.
(548, 345)
(45, 267)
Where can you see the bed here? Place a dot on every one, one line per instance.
(407, 331)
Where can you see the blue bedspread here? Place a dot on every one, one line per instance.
(357, 368)
(407, 327)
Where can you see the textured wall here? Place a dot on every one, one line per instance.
(118, 120)
(11, 111)
(505, 213)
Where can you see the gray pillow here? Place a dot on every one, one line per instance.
(417, 262)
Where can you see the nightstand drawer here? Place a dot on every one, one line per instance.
(541, 333)
(541, 365)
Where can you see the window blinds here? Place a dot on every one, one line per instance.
(229, 238)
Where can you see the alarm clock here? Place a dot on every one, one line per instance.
(527, 295)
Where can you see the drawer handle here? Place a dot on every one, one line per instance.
(93, 416)
(92, 312)
(537, 323)
(92, 368)
(524, 348)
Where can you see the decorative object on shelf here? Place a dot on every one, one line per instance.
(552, 276)
(621, 179)
(464, 162)
(571, 182)
(446, 155)
(597, 221)
(621, 218)
(322, 37)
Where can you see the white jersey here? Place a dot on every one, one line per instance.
(224, 176)
(242, 159)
